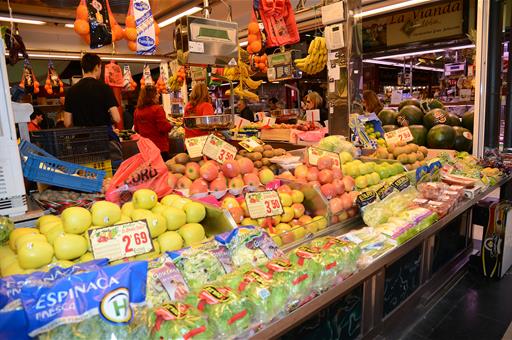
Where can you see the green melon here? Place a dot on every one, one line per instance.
(409, 102)
(463, 139)
(434, 117)
(430, 104)
(409, 115)
(388, 128)
(388, 117)
(419, 133)
(468, 119)
(452, 119)
(441, 136)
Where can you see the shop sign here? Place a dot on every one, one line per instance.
(263, 204)
(399, 135)
(424, 23)
(218, 150)
(121, 240)
(195, 146)
(315, 153)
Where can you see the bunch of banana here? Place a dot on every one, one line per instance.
(174, 84)
(316, 59)
(241, 73)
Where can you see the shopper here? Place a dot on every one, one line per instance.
(150, 120)
(371, 102)
(272, 104)
(36, 118)
(90, 102)
(198, 105)
(244, 111)
(314, 102)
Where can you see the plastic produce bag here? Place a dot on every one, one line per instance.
(279, 20)
(102, 304)
(113, 75)
(165, 282)
(179, 321)
(145, 170)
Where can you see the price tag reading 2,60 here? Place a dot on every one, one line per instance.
(121, 240)
(399, 135)
(218, 150)
(263, 204)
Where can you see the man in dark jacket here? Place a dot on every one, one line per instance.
(244, 111)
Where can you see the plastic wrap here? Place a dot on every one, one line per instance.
(165, 282)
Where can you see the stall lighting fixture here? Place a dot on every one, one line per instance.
(389, 8)
(173, 19)
(77, 57)
(424, 52)
(23, 21)
(244, 43)
(390, 63)
(69, 25)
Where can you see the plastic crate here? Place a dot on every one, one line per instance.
(104, 165)
(78, 145)
(39, 166)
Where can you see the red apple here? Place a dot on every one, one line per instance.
(298, 210)
(336, 205)
(192, 170)
(209, 171)
(246, 165)
(312, 174)
(324, 162)
(171, 180)
(237, 213)
(301, 171)
(231, 168)
(328, 190)
(218, 184)
(183, 183)
(251, 179)
(336, 173)
(198, 186)
(325, 176)
(339, 186)
(352, 212)
(349, 183)
(285, 188)
(236, 183)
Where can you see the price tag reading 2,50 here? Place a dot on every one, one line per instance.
(121, 240)
(218, 150)
(263, 204)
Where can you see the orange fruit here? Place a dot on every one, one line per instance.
(132, 45)
(157, 29)
(82, 12)
(255, 46)
(249, 49)
(130, 21)
(252, 38)
(81, 27)
(253, 28)
(261, 66)
(157, 40)
(87, 38)
(263, 58)
(130, 33)
(117, 33)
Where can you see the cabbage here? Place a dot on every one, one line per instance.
(336, 144)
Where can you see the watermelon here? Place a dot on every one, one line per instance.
(388, 117)
(452, 119)
(434, 117)
(463, 139)
(406, 102)
(467, 120)
(388, 128)
(409, 115)
(441, 136)
(430, 104)
(419, 133)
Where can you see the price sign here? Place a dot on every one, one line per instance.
(121, 240)
(251, 143)
(263, 204)
(195, 146)
(218, 150)
(399, 135)
(315, 153)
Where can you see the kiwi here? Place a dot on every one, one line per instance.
(268, 153)
(258, 164)
(412, 158)
(423, 150)
(242, 152)
(267, 147)
(279, 152)
(265, 161)
(398, 151)
(257, 156)
(182, 158)
(274, 167)
(258, 149)
(420, 156)
(178, 168)
(413, 147)
(237, 157)
(403, 158)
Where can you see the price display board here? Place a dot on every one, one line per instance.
(121, 240)
(251, 143)
(218, 150)
(263, 204)
(399, 135)
(195, 146)
(315, 153)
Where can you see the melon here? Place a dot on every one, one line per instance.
(419, 133)
(441, 136)
(434, 117)
(467, 120)
(409, 115)
(406, 102)
(388, 117)
(463, 139)
(430, 104)
(452, 119)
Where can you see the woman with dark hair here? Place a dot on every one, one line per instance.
(371, 102)
(150, 121)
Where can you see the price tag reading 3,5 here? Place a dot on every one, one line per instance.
(315, 153)
(263, 204)
(121, 240)
(218, 150)
(195, 146)
(399, 135)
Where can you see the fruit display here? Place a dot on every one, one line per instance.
(316, 59)
(411, 155)
(261, 156)
(463, 167)
(374, 132)
(369, 174)
(242, 73)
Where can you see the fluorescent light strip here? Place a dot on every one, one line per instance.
(424, 52)
(77, 57)
(389, 63)
(173, 19)
(389, 8)
(23, 21)
(244, 43)
(69, 25)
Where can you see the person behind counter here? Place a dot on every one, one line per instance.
(371, 102)
(36, 118)
(150, 121)
(198, 105)
(244, 111)
(314, 102)
(272, 104)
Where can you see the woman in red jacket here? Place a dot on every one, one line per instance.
(150, 121)
(199, 105)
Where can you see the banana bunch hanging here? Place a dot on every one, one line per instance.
(316, 59)
(241, 73)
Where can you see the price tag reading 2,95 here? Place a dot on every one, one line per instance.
(218, 150)
(121, 240)
(263, 204)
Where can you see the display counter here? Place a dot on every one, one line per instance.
(391, 284)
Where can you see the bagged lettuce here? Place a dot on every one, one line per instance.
(102, 304)
(233, 279)
(179, 321)
(165, 282)
(202, 263)
(229, 313)
(249, 245)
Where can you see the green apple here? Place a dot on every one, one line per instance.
(345, 157)
(297, 196)
(47, 222)
(180, 202)
(144, 199)
(192, 233)
(299, 232)
(321, 222)
(174, 217)
(76, 220)
(158, 208)
(169, 241)
(157, 223)
(169, 199)
(105, 213)
(195, 211)
(70, 246)
(127, 209)
(286, 199)
(33, 255)
(288, 214)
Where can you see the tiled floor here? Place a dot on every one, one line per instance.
(474, 308)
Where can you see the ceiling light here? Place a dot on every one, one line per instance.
(389, 8)
(244, 43)
(147, 60)
(390, 63)
(69, 25)
(77, 57)
(53, 56)
(424, 52)
(173, 19)
(23, 21)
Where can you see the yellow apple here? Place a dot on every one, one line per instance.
(33, 255)
(104, 214)
(175, 218)
(70, 246)
(76, 220)
(230, 202)
(157, 223)
(124, 219)
(144, 199)
(321, 222)
(288, 214)
(55, 232)
(158, 208)
(46, 222)
(297, 196)
(169, 199)
(195, 211)
(23, 239)
(127, 209)
(192, 233)
(86, 257)
(277, 240)
(170, 240)
(249, 221)
(13, 269)
(17, 232)
(299, 232)
(180, 202)
(286, 199)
